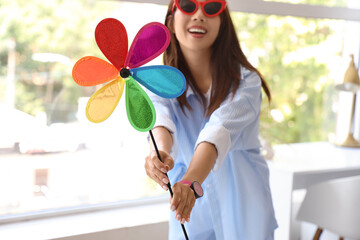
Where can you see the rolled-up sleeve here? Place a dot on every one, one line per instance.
(234, 125)
(165, 118)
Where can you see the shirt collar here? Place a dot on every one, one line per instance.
(189, 91)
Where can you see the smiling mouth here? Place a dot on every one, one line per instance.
(197, 30)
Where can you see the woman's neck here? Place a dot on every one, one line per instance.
(199, 64)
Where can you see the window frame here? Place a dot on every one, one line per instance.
(295, 10)
(284, 9)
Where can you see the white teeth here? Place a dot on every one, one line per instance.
(197, 30)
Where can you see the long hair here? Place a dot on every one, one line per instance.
(226, 59)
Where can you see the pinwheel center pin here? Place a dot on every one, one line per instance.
(125, 73)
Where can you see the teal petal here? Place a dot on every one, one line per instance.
(165, 81)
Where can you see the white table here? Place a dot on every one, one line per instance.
(299, 165)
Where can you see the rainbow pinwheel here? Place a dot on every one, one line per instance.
(165, 81)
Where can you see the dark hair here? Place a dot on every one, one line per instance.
(227, 57)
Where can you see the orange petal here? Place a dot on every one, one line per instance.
(91, 71)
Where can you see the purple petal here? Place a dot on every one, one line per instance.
(150, 42)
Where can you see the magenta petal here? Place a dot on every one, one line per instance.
(150, 42)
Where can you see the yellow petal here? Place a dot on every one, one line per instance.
(104, 101)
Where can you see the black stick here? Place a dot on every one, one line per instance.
(168, 185)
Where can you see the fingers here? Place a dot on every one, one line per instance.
(183, 201)
(189, 206)
(157, 170)
(155, 174)
(164, 164)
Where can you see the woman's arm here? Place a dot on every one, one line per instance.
(163, 139)
(202, 162)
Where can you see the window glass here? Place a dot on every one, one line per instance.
(51, 156)
(302, 60)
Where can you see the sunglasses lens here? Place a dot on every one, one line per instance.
(212, 8)
(187, 6)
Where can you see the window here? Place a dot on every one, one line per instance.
(313, 40)
(52, 157)
(302, 59)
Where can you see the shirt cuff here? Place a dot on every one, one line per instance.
(220, 137)
(163, 121)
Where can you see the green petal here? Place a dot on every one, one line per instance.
(139, 108)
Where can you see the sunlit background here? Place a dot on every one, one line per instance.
(51, 156)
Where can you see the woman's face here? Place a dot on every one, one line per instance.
(195, 32)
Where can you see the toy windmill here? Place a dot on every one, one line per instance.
(125, 69)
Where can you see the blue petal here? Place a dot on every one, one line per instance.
(165, 81)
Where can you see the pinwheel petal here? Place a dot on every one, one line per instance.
(139, 108)
(91, 71)
(151, 40)
(111, 37)
(103, 102)
(165, 81)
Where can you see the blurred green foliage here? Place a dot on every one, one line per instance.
(301, 90)
(66, 27)
(62, 27)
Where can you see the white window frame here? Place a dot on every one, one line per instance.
(296, 10)
(284, 9)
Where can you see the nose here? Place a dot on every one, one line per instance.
(199, 15)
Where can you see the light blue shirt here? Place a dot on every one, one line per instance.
(237, 200)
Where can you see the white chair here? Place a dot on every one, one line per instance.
(335, 206)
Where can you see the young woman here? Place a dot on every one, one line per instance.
(208, 137)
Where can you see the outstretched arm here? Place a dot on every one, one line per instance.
(200, 166)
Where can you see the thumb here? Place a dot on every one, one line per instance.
(168, 161)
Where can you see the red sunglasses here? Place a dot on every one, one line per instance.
(210, 8)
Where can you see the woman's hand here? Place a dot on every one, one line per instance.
(183, 201)
(156, 169)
